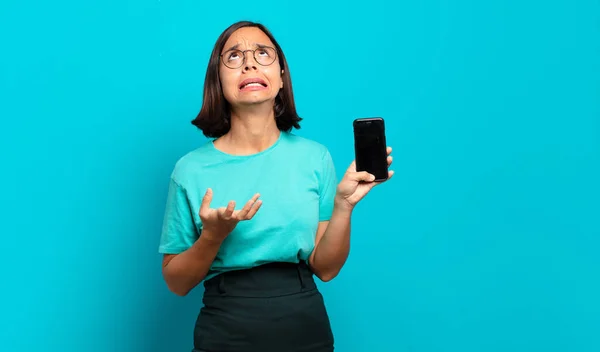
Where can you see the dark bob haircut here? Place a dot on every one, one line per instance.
(214, 118)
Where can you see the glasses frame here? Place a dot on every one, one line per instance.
(244, 56)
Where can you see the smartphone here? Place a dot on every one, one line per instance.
(370, 147)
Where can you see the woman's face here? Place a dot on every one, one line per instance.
(247, 77)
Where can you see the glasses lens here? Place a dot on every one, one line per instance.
(233, 58)
(265, 56)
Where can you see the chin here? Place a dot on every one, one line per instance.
(255, 100)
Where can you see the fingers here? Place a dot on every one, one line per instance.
(205, 205)
(253, 210)
(227, 213)
(389, 150)
(390, 174)
(251, 207)
(389, 160)
(360, 176)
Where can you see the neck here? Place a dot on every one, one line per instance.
(252, 131)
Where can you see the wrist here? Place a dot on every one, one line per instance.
(342, 206)
(211, 237)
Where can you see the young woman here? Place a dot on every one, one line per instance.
(257, 212)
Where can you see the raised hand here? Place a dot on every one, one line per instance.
(354, 186)
(221, 221)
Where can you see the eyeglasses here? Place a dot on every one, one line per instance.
(235, 58)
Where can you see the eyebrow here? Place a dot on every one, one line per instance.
(233, 47)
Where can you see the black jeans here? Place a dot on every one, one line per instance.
(274, 307)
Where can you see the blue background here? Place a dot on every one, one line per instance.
(486, 239)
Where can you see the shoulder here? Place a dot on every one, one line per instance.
(306, 146)
(192, 163)
(312, 154)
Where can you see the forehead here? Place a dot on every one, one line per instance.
(247, 37)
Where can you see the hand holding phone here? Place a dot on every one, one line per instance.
(372, 156)
(370, 147)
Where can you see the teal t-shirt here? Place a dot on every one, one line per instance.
(296, 180)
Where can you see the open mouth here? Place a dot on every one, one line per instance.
(253, 82)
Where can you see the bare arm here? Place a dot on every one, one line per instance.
(184, 271)
(332, 244)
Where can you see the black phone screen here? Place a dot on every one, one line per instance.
(370, 147)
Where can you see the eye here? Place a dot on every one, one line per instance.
(233, 56)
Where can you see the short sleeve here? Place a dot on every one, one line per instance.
(327, 187)
(179, 231)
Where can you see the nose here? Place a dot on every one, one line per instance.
(249, 61)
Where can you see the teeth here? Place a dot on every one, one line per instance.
(252, 84)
